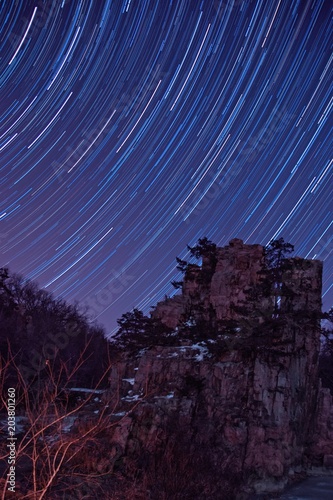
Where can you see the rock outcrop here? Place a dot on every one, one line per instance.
(238, 421)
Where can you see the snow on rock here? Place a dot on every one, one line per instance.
(129, 380)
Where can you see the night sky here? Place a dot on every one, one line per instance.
(130, 128)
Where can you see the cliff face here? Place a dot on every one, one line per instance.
(241, 420)
(236, 269)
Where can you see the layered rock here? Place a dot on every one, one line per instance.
(244, 419)
(236, 269)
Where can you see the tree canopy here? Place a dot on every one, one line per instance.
(38, 329)
(204, 247)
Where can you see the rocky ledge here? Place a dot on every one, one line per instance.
(231, 423)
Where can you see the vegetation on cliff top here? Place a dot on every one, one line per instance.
(48, 347)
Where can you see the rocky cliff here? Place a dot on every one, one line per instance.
(238, 420)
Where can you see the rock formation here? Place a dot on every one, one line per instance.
(238, 421)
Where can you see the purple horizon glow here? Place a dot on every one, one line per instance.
(131, 128)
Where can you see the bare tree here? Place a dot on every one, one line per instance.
(61, 448)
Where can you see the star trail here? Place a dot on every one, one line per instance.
(130, 128)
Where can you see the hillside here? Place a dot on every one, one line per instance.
(216, 395)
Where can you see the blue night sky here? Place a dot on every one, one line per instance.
(130, 128)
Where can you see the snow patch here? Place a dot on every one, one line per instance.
(129, 380)
(173, 355)
(202, 348)
(168, 396)
(84, 389)
(68, 423)
(135, 397)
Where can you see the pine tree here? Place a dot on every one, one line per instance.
(177, 284)
(182, 265)
(204, 247)
(276, 263)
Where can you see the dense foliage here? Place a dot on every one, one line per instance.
(39, 330)
(204, 250)
(137, 331)
(326, 358)
(260, 313)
